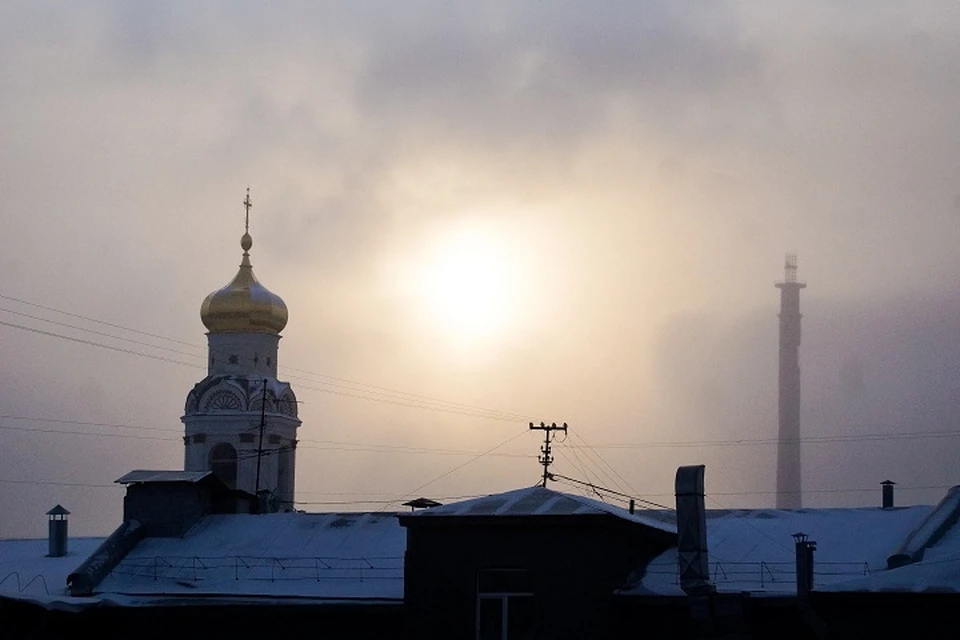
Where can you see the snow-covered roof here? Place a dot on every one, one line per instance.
(144, 475)
(540, 501)
(26, 573)
(935, 548)
(754, 550)
(329, 556)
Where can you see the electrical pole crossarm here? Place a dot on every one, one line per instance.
(545, 458)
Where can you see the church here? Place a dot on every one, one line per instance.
(241, 420)
(219, 548)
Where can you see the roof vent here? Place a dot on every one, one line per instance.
(886, 494)
(421, 503)
(58, 531)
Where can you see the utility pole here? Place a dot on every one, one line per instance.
(545, 458)
(263, 419)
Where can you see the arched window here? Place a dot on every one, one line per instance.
(223, 463)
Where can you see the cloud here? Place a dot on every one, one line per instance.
(651, 163)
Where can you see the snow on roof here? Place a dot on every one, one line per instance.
(753, 550)
(143, 475)
(540, 501)
(936, 541)
(27, 573)
(329, 556)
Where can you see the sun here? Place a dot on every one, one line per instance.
(464, 282)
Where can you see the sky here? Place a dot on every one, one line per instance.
(481, 215)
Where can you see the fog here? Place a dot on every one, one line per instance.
(628, 178)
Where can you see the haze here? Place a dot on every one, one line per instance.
(563, 211)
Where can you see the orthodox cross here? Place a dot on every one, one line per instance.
(246, 205)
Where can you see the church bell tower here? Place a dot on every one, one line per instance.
(241, 421)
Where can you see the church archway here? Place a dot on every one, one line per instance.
(223, 463)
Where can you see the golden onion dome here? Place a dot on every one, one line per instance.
(244, 305)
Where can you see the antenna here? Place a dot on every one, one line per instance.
(545, 458)
(790, 268)
(263, 419)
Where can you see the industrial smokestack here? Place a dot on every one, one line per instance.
(788, 452)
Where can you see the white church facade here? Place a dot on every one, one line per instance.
(241, 420)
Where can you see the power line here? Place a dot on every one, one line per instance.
(88, 433)
(651, 504)
(96, 344)
(874, 436)
(413, 396)
(488, 414)
(82, 423)
(405, 398)
(60, 484)
(599, 457)
(89, 319)
(383, 502)
(102, 333)
(373, 447)
(344, 446)
(461, 466)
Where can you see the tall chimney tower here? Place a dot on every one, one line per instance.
(788, 450)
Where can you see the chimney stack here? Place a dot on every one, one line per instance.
(886, 492)
(692, 532)
(58, 531)
(788, 450)
(805, 549)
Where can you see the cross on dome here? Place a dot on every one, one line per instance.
(244, 305)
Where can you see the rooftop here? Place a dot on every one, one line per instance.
(327, 556)
(540, 501)
(753, 549)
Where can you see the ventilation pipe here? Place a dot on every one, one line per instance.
(58, 531)
(692, 531)
(805, 549)
(886, 493)
(107, 556)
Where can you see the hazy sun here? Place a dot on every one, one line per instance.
(464, 282)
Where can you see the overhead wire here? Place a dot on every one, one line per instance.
(461, 466)
(368, 391)
(393, 396)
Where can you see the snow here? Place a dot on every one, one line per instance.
(26, 573)
(142, 475)
(754, 550)
(939, 568)
(296, 555)
(539, 501)
(938, 520)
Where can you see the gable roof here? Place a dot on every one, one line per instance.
(539, 501)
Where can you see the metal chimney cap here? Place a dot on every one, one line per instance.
(888, 482)
(58, 511)
(800, 536)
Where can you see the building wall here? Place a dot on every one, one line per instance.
(253, 354)
(167, 509)
(575, 563)
(205, 621)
